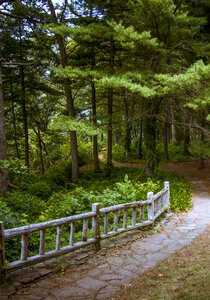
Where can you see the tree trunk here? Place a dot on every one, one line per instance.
(128, 128)
(202, 138)
(175, 136)
(23, 100)
(14, 124)
(140, 152)
(25, 117)
(3, 144)
(110, 106)
(73, 138)
(150, 136)
(150, 144)
(69, 98)
(186, 145)
(95, 138)
(40, 150)
(109, 129)
(165, 138)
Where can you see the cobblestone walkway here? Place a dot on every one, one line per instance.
(101, 275)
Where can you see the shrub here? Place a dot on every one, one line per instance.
(127, 191)
(40, 189)
(7, 216)
(28, 206)
(67, 203)
(59, 174)
(85, 152)
(181, 196)
(180, 191)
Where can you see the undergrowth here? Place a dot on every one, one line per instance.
(41, 201)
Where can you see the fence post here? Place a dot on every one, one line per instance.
(167, 186)
(151, 209)
(2, 253)
(96, 226)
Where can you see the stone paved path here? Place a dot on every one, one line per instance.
(101, 276)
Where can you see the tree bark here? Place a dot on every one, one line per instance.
(109, 129)
(150, 143)
(165, 138)
(128, 128)
(40, 150)
(110, 106)
(23, 100)
(95, 138)
(202, 138)
(73, 137)
(69, 98)
(150, 136)
(14, 124)
(25, 117)
(94, 112)
(3, 143)
(186, 151)
(140, 152)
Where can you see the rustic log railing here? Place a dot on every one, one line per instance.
(96, 225)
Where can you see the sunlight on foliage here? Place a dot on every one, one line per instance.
(66, 124)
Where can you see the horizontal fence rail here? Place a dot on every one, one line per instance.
(99, 224)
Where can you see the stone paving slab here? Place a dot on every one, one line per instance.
(100, 276)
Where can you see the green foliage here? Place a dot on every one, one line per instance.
(108, 171)
(181, 196)
(28, 206)
(127, 191)
(15, 167)
(7, 215)
(200, 148)
(66, 124)
(180, 191)
(176, 153)
(67, 203)
(130, 38)
(179, 82)
(59, 174)
(85, 152)
(40, 189)
(122, 82)
(118, 153)
(23, 207)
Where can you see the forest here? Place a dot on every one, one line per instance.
(88, 83)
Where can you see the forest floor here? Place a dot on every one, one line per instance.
(186, 273)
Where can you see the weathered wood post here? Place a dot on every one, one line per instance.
(167, 200)
(151, 208)
(96, 226)
(2, 253)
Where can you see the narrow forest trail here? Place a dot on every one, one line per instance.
(103, 275)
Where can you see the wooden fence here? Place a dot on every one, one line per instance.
(99, 224)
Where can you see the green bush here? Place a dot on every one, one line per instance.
(181, 196)
(85, 152)
(180, 191)
(40, 189)
(19, 208)
(28, 206)
(59, 174)
(64, 204)
(7, 216)
(127, 191)
(119, 153)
